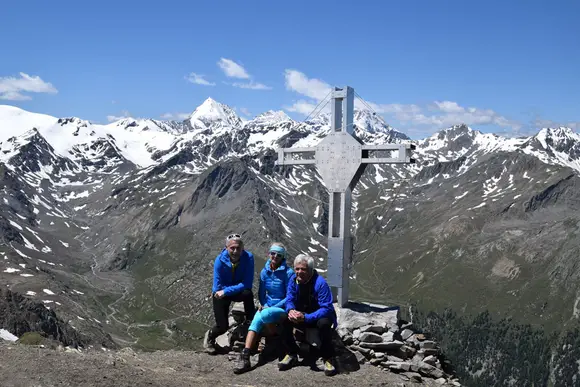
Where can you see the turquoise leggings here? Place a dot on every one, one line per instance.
(266, 316)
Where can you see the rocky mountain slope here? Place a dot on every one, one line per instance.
(115, 227)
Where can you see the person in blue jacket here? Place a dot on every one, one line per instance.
(233, 275)
(274, 280)
(309, 305)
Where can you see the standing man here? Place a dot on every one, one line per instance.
(233, 275)
(309, 305)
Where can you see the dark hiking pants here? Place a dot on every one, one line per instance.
(221, 308)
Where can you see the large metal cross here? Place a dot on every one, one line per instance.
(341, 159)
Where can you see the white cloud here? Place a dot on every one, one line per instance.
(436, 114)
(232, 69)
(544, 123)
(251, 85)
(447, 107)
(302, 107)
(300, 83)
(113, 118)
(175, 116)
(447, 113)
(198, 79)
(245, 111)
(11, 88)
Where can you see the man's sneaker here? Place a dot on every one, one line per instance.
(242, 363)
(209, 344)
(329, 368)
(288, 362)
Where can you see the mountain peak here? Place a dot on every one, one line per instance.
(211, 111)
(272, 116)
(561, 131)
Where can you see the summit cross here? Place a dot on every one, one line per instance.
(341, 159)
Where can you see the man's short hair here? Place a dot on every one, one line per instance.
(235, 238)
(305, 258)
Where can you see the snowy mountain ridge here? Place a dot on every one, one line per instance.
(213, 125)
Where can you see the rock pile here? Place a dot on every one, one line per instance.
(234, 338)
(365, 334)
(376, 334)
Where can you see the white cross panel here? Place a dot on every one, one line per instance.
(341, 159)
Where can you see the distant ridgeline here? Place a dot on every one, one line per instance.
(489, 352)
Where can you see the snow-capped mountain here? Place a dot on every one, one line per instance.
(214, 115)
(104, 224)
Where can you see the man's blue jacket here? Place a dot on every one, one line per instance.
(314, 299)
(233, 280)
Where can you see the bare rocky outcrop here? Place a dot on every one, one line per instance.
(20, 314)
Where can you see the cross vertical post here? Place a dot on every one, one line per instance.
(341, 159)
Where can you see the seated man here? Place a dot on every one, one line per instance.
(232, 281)
(309, 305)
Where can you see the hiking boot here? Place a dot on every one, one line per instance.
(243, 362)
(209, 344)
(329, 368)
(288, 362)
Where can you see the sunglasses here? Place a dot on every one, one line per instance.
(276, 255)
(232, 236)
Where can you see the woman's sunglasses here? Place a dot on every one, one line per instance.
(276, 255)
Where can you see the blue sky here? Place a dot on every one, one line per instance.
(507, 67)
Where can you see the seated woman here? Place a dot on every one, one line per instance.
(272, 296)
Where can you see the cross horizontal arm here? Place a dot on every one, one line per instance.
(389, 147)
(297, 150)
(295, 162)
(284, 155)
(404, 156)
(387, 160)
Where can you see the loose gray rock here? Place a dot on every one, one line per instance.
(430, 360)
(394, 358)
(384, 346)
(351, 319)
(406, 333)
(413, 376)
(398, 366)
(373, 328)
(429, 370)
(405, 352)
(388, 336)
(370, 337)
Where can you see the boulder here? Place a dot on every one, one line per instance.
(396, 365)
(388, 336)
(362, 315)
(373, 328)
(370, 337)
(430, 360)
(383, 346)
(406, 333)
(429, 370)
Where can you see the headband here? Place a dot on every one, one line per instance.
(279, 250)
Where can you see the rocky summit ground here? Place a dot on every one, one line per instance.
(33, 366)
